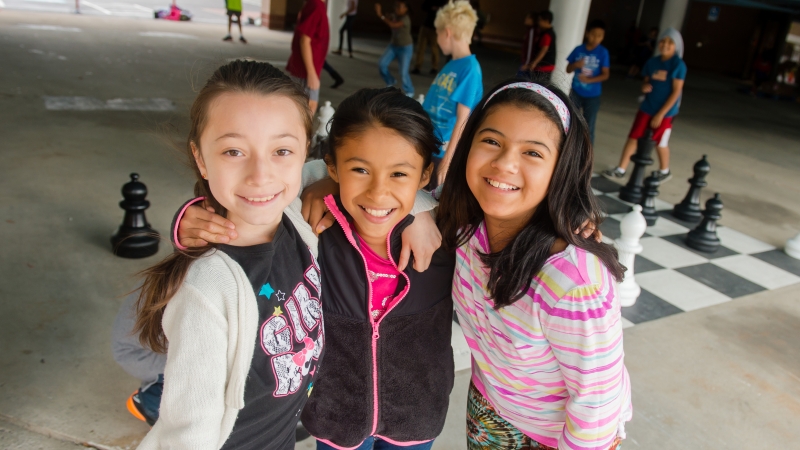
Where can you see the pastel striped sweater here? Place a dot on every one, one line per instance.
(551, 363)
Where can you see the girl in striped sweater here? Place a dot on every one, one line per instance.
(536, 301)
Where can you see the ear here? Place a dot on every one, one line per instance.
(426, 176)
(198, 159)
(331, 169)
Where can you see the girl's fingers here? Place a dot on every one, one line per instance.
(193, 243)
(422, 263)
(189, 228)
(325, 223)
(405, 254)
(212, 237)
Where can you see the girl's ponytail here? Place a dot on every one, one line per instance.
(163, 280)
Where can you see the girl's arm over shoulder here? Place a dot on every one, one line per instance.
(584, 329)
(193, 401)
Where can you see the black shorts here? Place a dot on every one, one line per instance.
(234, 13)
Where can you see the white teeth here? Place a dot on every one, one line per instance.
(377, 212)
(260, 199)
(503, 186)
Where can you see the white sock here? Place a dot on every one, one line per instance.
(620, 170)
(664, 171)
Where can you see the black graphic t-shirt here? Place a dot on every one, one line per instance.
(286, 280)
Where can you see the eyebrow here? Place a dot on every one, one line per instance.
(492, 130)
(364, 161)
(239, 136)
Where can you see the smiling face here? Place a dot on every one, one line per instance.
(666, 47)
(379, 173)
(252, 151)
(510, 164)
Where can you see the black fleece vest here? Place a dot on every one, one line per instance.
(413, 359)
(549, 58)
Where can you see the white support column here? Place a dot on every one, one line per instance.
(672, 15)
(335, 9)
(569, 23)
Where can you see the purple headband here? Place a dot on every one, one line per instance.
(559, 105)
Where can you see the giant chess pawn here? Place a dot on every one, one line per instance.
(793, 247)
(648, 203)
(632, 227)
(689, 208)
(134, 238)
(632, 192)
(325, 115)
(704, 236)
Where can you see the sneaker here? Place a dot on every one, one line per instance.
(136, 409)
(433, 71)
(337, 83)
(227, 38)
(613, 174)
(664, 177)
(242, 40)
(415, 71)
(337, 52)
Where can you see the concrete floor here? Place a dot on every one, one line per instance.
(723, 377)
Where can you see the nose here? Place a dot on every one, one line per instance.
(506, 161)
(260, 171)
(378, 189)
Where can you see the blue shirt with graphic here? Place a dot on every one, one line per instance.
(661, 75)
(594, 61)
(459, 81)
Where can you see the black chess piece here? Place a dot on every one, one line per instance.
(689, 208)
(648, 203)
(704, 236)
(632, 192)
(134, 238)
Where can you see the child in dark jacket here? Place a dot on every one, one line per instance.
(388, 369)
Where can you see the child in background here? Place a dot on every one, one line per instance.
(243, 322)
(139, 361)
(309, 49)
(664, 76)
(388, 368)
(544, 63)
(590, 62)
(528, 44)
(400, 48)
(537, 303)
(234, 9)
(459, 85)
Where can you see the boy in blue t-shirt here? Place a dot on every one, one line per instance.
(664, 75)
(459, 86)
(591, 63)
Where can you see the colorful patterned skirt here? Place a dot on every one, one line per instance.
(486, 429)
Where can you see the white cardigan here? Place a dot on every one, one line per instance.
(211, 325)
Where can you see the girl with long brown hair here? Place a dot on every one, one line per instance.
(243, 322)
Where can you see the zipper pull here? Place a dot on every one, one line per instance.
(375, 334)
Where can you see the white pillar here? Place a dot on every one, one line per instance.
(631, 228)
(672, 15)
(335, 9)
(569, 23)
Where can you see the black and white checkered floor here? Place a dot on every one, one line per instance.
(676, 278)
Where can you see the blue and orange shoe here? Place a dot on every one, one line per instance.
(136, 409)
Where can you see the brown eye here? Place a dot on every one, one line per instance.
(233, 152)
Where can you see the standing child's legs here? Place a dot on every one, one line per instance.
(591, 106)
(404, 55)
(627, 152)
(422, 42)
(383, 65)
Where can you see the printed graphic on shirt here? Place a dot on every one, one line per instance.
(278, 333)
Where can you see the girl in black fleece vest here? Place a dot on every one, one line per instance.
(387, 373)
(388, 369)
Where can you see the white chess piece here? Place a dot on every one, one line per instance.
(325, 115)
(793, 247)
(631, 228)
(421, 99)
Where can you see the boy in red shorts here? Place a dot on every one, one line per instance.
(664, 75)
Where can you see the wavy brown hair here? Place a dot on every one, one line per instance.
(163, 280)
(569, 202)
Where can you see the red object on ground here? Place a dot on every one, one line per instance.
(174, 13)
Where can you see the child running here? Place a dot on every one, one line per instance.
(537, 303)
(243, 321)
(388, 368)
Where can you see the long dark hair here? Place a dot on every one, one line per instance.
(162, 281)
(389, 108)
(568, 204)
